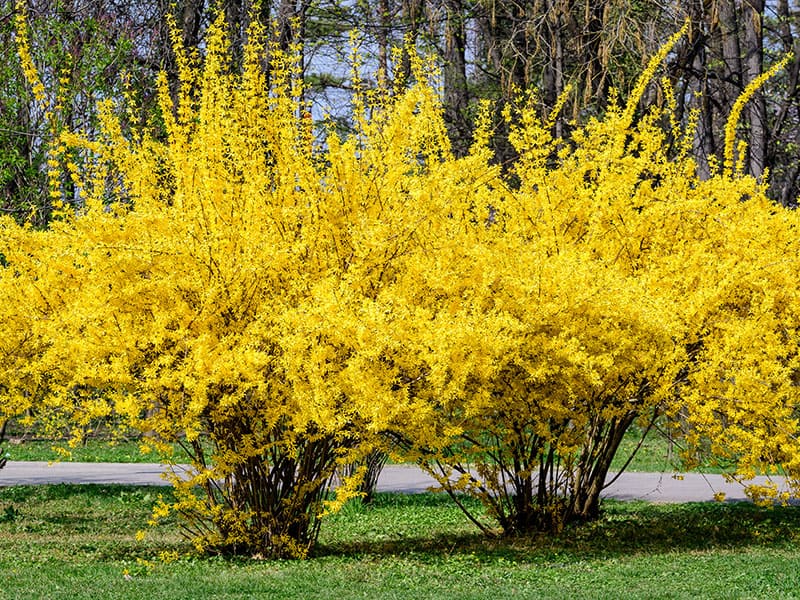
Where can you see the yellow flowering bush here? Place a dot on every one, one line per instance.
(219, 284)
(280, 307)
(611, 285)
(551, 324)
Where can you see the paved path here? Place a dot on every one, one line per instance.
(654, 487)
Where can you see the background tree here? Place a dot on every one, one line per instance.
(488, 49)
(83, 52)
(22, 181)
(731, 44)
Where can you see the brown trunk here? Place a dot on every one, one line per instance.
(785, 184)
(586, 495)
(191, 16)
(553, 75)
(731, 52)
(456, 96)
(597, 76)
(752, 15)
(382, 35)
(703, 146)
(291, 16)
(412, 10)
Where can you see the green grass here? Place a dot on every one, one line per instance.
(657, 454)
(93, 450)
(76, 542)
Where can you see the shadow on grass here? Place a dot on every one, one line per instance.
(625, 528)
(426, 526)
(75, 509)
(86, 491)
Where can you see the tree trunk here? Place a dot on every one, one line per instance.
(752, 15)
(703, 146)
(456, 94)
(586, 492)
(731, 53)
(384, 18)
(596, 86)
(412, 11)
(553, 76)
(190, 18)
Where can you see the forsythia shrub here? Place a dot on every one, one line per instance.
(279, 307)
(610, 286)
(219, 288)
(554, 326)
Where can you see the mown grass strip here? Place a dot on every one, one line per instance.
(656, 454)
(75, 542)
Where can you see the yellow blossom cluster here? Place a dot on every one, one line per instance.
(281, 308)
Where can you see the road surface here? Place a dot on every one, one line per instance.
(653, 487)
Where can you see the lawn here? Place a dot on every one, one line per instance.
(93, 450)
(75, 542)
(656, 454)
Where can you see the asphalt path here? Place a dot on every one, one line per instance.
(653, 487)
